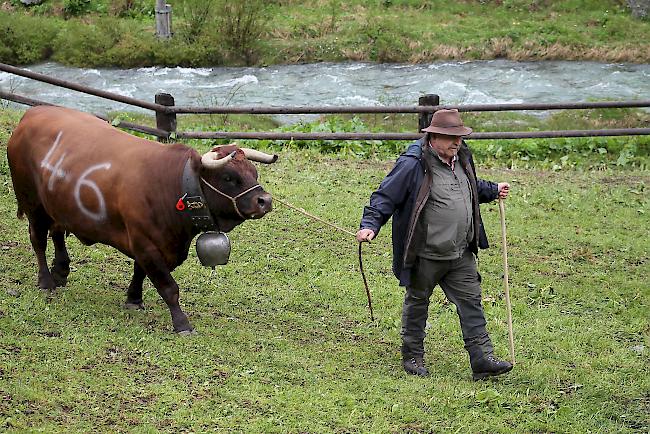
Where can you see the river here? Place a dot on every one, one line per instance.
(341, 84)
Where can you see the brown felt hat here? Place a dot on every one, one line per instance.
(447, 122)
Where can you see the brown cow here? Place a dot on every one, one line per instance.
(74, 173)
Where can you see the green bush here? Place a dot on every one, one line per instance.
(75, 8)
(197, 17)
(241, 25)
(132, 8)
(178, 53)
(556, 154)
(560, 153)
(384, 40)
(87, 44)
(25, 39)
(336, 124)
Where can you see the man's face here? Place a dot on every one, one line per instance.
(446, 146)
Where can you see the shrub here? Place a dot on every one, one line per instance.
(241, 25)
(176, 52)
(20, 44)
(132, 8)
(86, 44)
(75, 8)
(197, 16)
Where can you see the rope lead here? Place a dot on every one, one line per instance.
(363, 274)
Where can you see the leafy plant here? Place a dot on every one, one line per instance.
(197, 15)
(242, 24)
(359, 148)
(132, 8)
(75, 8)
(19, 44)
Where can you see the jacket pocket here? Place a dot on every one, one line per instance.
(440, 239)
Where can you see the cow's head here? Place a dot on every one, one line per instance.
(229, 182)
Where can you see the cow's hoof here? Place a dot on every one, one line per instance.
(134, 306)
(189, 332)
(46, 284)
(59, 281)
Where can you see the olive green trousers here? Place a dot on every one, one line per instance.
(460, 281)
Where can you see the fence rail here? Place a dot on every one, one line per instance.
(296, 110)
(410, 136)
(156, 132)
(166, 113)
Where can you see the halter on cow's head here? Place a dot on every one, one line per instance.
(229, 175)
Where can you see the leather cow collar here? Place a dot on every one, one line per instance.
(193, 203)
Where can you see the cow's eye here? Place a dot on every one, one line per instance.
(227, 178)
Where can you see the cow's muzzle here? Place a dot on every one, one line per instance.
(264, 205)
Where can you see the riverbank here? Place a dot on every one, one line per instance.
(209, 33)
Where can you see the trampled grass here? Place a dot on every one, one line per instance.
(284, 340)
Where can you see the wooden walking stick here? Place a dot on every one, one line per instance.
(502, 213)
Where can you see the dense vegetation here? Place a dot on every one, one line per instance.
(284, 341)
(221, 32)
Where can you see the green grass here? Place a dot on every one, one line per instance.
(284, 340)
(213, 32)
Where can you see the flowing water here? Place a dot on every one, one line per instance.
(341, 84)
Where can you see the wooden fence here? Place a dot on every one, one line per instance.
(166, 112)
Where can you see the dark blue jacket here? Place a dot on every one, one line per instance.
(403, 193)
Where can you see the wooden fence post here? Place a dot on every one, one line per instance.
(165, 121)
(424, 118)
(163, 20)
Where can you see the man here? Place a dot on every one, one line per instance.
(433, 195)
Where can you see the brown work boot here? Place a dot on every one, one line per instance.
(415, 366)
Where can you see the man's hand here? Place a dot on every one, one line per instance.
(504, 189)
(365, 235)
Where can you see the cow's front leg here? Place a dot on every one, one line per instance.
(61, 261)
(159, 274)
(134, 293)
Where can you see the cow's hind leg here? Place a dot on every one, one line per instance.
(39, 224)
(61, 261)
(134, 293)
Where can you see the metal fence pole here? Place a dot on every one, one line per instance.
(424, 118)
(165, 121)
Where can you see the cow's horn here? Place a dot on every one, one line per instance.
(258, 156)
(211, 160)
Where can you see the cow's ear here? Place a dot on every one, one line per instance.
(216, 148)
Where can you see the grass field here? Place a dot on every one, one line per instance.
(284, 340)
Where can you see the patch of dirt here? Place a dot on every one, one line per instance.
(9, 245)
(50, 334)
(7, 7)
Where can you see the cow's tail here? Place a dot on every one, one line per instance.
(20, 214)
